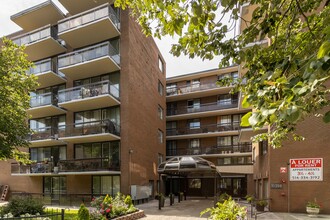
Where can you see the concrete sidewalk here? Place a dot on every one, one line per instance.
(191, 208)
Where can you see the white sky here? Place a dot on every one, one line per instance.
(175, 65)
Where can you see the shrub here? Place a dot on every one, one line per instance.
(22, 205)
(223, 197)
(226, 210)
(83, 213)
(249, 198)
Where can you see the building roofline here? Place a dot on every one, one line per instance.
(198, 72)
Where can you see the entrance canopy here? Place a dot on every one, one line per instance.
(188, 166)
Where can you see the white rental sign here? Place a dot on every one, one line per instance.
(306, 169)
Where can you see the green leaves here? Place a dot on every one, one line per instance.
(15, 85)
(326, 117)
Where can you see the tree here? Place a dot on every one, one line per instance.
(15, 85)
(285, 80)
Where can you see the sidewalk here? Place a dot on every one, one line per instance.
(191, 208)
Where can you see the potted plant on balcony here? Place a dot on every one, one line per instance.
(312, 207)
(261, 204)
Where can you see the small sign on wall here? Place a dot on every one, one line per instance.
(306, 169)
(276, 185)
(283, 170)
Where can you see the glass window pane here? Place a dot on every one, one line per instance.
(116, 184)
(79, 152)
(106, 185)
(96, 150)
(96, 185)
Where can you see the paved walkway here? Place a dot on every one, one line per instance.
(191, 208)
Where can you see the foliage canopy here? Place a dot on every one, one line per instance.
(15, 85)
(284, 49)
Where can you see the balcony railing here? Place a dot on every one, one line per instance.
(34, 36)
(87, 91)
(88, 17)
(43, 134)
(89, 128)
(90, 164)
(240, 148)
(43, 99)
(78, 165)
(204, 107)
(43, 66)
(87, 54)
(203, 129)
(191, 88)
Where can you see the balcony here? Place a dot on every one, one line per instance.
(89, 62)
(203, 110)
(77, 6)
(211, 130)
(244, 148)
(40, 43)
(90, 27)
(46, 136)
(190, 92)
(68, 167)
(95, 131)
(38, 16)
(92, 96)
(47, 74)
(88, 165)
(44, 105)
(246, 133)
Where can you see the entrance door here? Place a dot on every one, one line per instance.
(54, 187)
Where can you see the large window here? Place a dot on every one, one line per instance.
(160, 88)
(113, 78)
(263, 147)
(161, 65)
(54, 154)
(98, 150)
(194, 145)
(46, 127)
(97, 115)
(228, 140)
(103, 185)
(243, 160)
(171, 89)
(227, 99)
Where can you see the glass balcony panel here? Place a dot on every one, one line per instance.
(90, 16)
(32, 36)
(202, 129)
(41, 100)
(88, 164)
(41, 134)
(90, 128)
(41, 67)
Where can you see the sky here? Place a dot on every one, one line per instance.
(174, 65)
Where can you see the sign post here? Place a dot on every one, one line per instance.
(306, 169)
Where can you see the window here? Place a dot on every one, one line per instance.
(171, 127)
(54, 186)
(46, 153)
(194, 183)
(171, 148)
(194, 123)
(160, 158)
(247, 160)
(95, 116)
(263, 147)
(194, 146)
(160, 136)
(193, 104)
(103, 185)
(161, 65)
(227, 99)
(160, 112)
(224, 141)
(171, 108)
(171, 89)
(49, 125)
(160, 88)
(233, 75)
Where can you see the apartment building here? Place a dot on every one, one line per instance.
(203, 119)
(97, 115)
(298, 172)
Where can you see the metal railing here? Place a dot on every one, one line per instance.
(87, 54)
(42, 134)
(240, 148)
(89, 164)
(52, 214)
(48, 98)
(88, 17)
(62, 198)
(40, 167)
(89, 128)
(203, 107)
(87, 91)
(191, 88)
(34, 36)
(203, 129)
